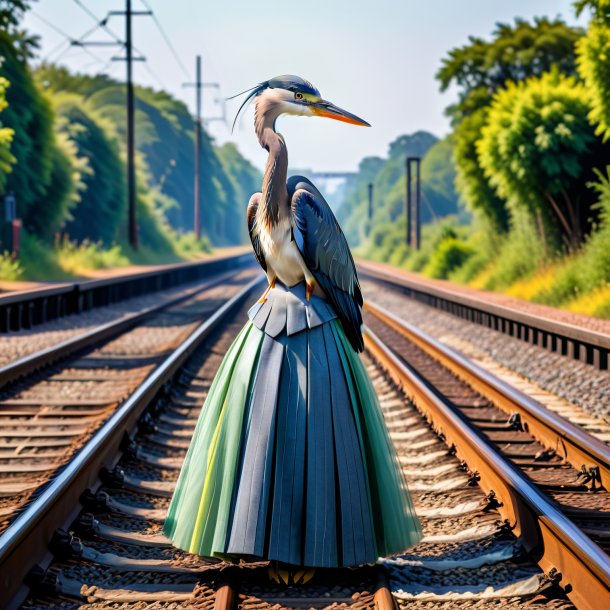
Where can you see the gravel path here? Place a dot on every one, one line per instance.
(574, 381)
(15, 345)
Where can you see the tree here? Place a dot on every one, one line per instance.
(6, 137)
(538, 149)
(483, 67)
(39, 176)
(471, 182)
(516, 52)
(101, 208)
(593, 52)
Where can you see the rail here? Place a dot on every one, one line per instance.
(566, 339)
(28, 308)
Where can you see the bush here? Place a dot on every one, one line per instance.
(10, 269)
(450, 254)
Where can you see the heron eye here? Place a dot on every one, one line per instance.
(298, 96)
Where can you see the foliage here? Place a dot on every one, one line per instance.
(593, 51)
(449, 255)
(537, 150)
(6, 137)
(102, 202)
(516, 52)
(10, 268)
(75, 258)
(483, 67)
(471, 182)
(45, 165)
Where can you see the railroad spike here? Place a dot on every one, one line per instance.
(473, 478)
(65, 545)
(45, 583)
(147, 424)
(112, 478)
(492, 501)
(86, 524)
(505, 530)
(591, 475)
(550, 587)
(96, 503)
(514, 422)
(129, 447)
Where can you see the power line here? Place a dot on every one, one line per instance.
(66, 36)
(167, 40)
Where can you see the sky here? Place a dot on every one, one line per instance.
(375, 58)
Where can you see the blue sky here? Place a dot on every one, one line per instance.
(374, 58)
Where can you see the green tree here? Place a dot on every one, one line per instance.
(42, 169)
(514, 53)
(478, 70)
(101, 208)
(6, 137)
(538, 150)
(593, 52)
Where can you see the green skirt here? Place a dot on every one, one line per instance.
(291, 459)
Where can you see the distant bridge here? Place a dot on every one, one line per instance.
(332, 175)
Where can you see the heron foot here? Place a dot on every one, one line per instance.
(309, 288)
(264, 297)
(283, 575)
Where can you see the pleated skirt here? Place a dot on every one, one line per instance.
(291, 459)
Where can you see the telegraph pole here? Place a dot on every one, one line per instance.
(370, 200)
(131, 170)
(199, 85)
(132, 222)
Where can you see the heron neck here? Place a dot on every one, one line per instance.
(274, 200)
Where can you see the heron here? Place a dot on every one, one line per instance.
(294, 233)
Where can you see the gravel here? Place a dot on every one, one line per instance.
(574, 381)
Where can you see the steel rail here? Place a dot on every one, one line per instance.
(26, 540)
(556, 336)
(553, 540)
(47, 356)
(569, 441)
(27, 308)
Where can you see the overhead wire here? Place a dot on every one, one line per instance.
(167, 40)
(104, 25)
(66, 36)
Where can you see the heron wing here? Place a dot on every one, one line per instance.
(251, 216)
(324, 248)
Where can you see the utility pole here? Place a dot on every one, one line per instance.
(413, 206)
(370, 200)
(132, 222)
(199, 85)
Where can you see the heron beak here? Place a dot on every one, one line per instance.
(330, 111)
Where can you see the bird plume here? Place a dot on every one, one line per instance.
(290, 82)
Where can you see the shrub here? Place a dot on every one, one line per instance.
(450, 254)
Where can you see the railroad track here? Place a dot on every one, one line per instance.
(102, 518)
(54, 400)
(549, 478)
(561, 336)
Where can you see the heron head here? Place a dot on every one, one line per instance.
(289, 94)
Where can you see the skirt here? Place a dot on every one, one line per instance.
(291, 459)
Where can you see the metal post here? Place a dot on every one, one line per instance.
(131, 169)
(417, 214)
(370, 201)
(197, 203)
(408, 205)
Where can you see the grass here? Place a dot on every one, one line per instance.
(66, 259)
